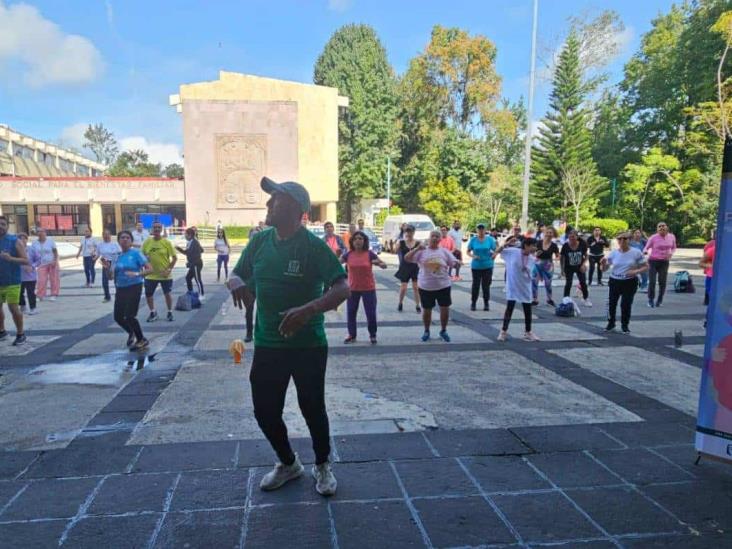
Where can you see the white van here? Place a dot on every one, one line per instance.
(392, 226)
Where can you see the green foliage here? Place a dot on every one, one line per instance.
(564, 142)
(696, 242)
(444, 200)
(134, 164)
(381, 216)
(174, 171)
(102, 143)
(610, 227)
(355, 62)
(232, 231)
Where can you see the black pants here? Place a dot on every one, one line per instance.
(126, 303)
(194, 273)
(249, 315)
(569, 273)
(657, 268)
(105, 283)
(482, 278)
(28, 287)
(595, 262)
(270, 376)
(510, 304)
(89, 271)
(623, 291)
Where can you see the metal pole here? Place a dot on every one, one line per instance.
(388, 184)
(529, 114)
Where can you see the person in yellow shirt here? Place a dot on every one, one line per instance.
(161, 254)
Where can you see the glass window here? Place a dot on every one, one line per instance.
(62, 219)
(3, 145)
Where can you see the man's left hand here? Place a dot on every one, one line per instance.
(293, 320)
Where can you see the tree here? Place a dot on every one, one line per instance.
(658, 187)
(499, 194)
(354, 61)
(174, 171)
(564, 141)
(102, 143)
(581, 186)
(134, 164)
(443, 200)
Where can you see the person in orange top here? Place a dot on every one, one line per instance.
(347, 235)
(446, 240)
(707, 263)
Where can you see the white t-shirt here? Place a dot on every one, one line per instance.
(221, 247)
(88, 246)
(622, 262)
(108, 250)
(518, 274)
(457, 236)
(139, 238)
(45, 250)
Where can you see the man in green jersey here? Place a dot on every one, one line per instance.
(287, 267)
(161, 254)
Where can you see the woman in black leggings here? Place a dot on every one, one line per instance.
(193, 252)
(573, 258)
(128, 272)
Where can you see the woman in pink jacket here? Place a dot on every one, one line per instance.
(660, 248)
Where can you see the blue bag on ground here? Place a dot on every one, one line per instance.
(683, 283)
(565, 308)
(184, 303)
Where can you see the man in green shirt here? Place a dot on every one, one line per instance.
(287, 267)
(161, 254)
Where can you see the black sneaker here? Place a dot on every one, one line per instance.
(551, 303)
(659, 303)
(625, 330)
(248, 338)
(169, 317)
(400, 307)
(130, 341)
(153, 316)
(20, 339)
(3, 334)
(610, 327)
(472, 306)
(486, 307)
(106, 300)
(419, 309)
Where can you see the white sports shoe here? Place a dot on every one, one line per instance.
(503, 336)
(325, 481)
(52, 298)
(587, 303)
(281, 474)
(530, 336)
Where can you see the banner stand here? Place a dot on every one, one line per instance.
(714, 418)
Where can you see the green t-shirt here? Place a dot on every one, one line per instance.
(160, 253)
(286, 274)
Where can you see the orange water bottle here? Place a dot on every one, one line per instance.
(236, 348)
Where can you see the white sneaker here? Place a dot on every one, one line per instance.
(24, 310)
(503, 336)
(32, 312)
(587, 303)
(52, 298)
(325, 481)
(281, 474)
(529, 336)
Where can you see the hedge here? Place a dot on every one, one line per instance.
(610, 227)
(233, 231)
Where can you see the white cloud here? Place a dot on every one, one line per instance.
(73, 136)
(339, 5)
(163, 153)
(47, 54)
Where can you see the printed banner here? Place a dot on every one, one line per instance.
(47, 222)
(714, 424)
(64, 222)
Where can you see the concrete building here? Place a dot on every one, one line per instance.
(240, 127)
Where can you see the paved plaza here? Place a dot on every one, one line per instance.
(581, 440)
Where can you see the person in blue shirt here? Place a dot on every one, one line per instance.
(12, 256)
(128, 272)
(481, 248)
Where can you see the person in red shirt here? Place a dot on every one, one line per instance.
(360, 262)
(707, 263)
(446, 240)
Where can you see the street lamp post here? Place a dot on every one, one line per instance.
(529, 113)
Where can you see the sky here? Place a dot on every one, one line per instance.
(64, 65)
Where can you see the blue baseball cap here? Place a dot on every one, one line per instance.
(291, 188)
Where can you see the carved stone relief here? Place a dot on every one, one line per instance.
(241, 162)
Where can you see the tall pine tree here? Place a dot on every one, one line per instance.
(564, 143)
(354, 61)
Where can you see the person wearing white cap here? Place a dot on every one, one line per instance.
(287, 267)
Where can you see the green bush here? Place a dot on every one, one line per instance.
(610, 227)
(233, 231)
(696, 242)
(380, 217)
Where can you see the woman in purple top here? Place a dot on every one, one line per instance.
(660, 248)
(433, 281)
(28, 277)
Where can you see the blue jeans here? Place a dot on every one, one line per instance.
(222, 259)
(89, 270)
(543, 270)
(105, 284)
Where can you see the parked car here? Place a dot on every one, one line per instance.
(423, 225)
